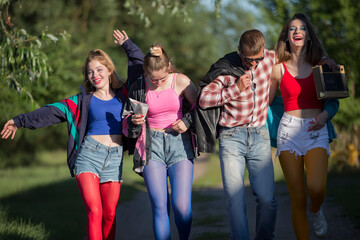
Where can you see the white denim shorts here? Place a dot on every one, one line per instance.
(293, 136)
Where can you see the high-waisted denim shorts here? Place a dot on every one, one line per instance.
(171, 147)
(293, 136)
(103, 161)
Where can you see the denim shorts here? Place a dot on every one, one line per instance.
(293, 136)
(171, 147)
(103, 161)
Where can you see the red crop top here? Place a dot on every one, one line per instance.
(299, 93)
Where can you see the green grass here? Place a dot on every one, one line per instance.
(213, 236)
(19, 229)
(210, 220)
(43, 201)
(213, 175)
(344, 187)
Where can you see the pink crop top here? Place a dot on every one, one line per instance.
(165, 107)
(299, 93)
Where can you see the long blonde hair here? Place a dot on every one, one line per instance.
(314, 51)
(104, 59)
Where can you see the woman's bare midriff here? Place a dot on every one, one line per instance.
(304, 113)
(109, 140)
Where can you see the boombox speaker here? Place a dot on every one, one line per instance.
(330, 84)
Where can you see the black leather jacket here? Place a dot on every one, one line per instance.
(206, 120)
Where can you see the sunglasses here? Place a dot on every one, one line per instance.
(249, 60)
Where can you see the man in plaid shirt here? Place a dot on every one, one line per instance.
(243, 137)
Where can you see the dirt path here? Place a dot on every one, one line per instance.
(134, 219)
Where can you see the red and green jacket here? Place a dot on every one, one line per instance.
(74, 110)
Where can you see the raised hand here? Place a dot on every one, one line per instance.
(120, 37)
(9, 129)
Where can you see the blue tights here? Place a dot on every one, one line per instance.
(181, 177)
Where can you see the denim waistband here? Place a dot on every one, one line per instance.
(161, 133)
(245, 128)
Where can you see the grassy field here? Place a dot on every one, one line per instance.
(43, 202)
(344, 187)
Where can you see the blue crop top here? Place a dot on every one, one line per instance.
(104, 117)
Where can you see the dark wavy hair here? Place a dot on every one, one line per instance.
(314, 51)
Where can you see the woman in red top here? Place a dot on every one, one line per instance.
(302, 135)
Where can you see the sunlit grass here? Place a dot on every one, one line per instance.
(43, 201)
(17, 180)
(212, 177)
(19, 229)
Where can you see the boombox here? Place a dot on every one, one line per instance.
(330, 84)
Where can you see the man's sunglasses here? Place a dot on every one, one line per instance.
(249, 60)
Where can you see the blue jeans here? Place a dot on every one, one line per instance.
(170, 148)
(103, 161)
(240, 146)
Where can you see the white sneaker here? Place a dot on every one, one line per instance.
(319, 223)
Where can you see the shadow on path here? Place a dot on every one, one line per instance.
(134, 218)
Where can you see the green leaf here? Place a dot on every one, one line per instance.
(52, 37)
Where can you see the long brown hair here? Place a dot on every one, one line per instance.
(104, 59)
(314, 48)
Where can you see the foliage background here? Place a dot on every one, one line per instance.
(192, 37)
(43, 44)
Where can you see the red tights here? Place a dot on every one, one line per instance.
(100, 202)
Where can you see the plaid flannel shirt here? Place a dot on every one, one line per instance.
(247, 108)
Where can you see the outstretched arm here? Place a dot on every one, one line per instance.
(42, 117)
(9, 129)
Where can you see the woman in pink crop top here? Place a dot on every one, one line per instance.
(302, 135)
(170, 146)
